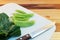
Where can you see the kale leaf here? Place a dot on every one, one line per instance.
(7, 28)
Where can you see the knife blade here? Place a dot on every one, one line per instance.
(36, 32)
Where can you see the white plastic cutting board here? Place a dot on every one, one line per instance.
(40, 21)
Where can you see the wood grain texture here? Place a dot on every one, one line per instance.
(48, 13)
(35, 4)
(56, 36)
(40, 6)
(31, 1)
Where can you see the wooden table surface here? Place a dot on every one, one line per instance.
(56, 36)
(31, 1)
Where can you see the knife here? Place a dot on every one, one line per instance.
(36, 32)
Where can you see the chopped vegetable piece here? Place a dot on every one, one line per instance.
(22, 18)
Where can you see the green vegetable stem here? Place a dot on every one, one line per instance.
(21, 18)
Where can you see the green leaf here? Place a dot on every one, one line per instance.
(2, 37)
(7, 28)
(15, 32)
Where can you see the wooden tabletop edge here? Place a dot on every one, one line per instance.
(40, 6)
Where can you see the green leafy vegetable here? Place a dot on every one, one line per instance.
(24, 23)
(21, 18)
(20, 11)
(7, 28)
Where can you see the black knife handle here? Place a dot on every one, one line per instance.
(25, 37)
